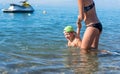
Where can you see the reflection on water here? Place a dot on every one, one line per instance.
(81, 63)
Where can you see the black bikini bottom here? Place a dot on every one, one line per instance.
(97, 25)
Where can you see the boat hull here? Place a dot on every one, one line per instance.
(17, 11)
(14, 8)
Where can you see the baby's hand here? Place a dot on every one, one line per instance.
(79, 23)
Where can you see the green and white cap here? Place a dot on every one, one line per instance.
(68, 29)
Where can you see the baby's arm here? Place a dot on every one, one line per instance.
(78, 28)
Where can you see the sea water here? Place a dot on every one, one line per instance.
(33, 43)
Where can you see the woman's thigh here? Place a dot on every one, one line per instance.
(90, 37)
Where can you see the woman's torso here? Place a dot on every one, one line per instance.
(90, 17)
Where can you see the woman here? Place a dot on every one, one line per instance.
(91, 35)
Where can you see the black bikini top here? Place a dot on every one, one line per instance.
(87, 8)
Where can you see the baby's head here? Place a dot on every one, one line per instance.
(69, 32)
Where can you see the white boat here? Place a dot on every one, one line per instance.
(25, 7)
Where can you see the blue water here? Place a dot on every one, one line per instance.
(35, 44)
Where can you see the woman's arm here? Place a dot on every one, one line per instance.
(80, 16)
(80, 10)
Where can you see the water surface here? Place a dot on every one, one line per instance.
(35, 44)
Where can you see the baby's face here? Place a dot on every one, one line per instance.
(68, 35)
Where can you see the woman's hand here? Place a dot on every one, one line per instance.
(80, 18)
